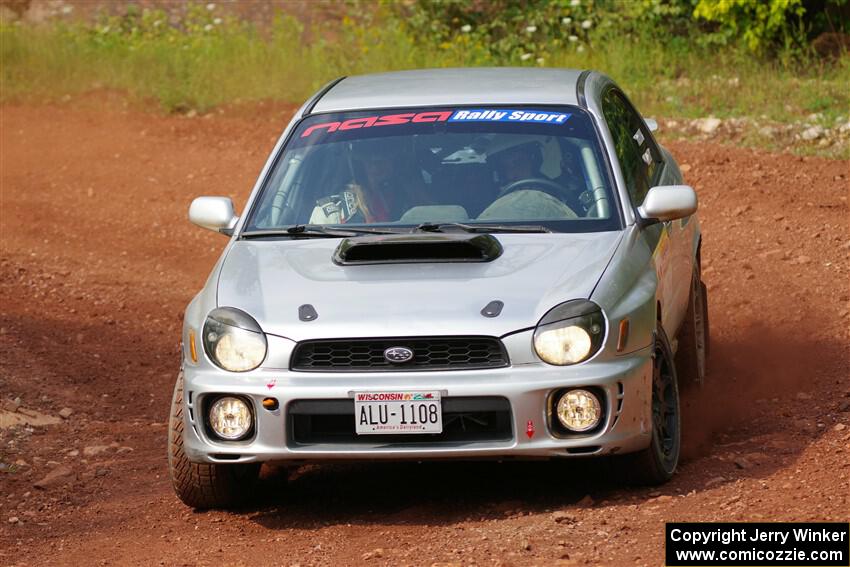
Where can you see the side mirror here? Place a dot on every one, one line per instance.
(668, 202)
(652, 124)
(213, 213)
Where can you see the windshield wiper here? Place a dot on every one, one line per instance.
(313, 231)
(439, 227)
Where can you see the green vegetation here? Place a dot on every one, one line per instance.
(678, 58)
(758, 23)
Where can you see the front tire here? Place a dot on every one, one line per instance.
(202, 485)
(657, 463)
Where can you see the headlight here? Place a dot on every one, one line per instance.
(233, 340)
(230, 418)
(570, 333)
(579, 410)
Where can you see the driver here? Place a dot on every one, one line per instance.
(525, 191)
(522, 159)
(378, 191)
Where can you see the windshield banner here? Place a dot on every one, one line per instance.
(507, 115)
(479, 115)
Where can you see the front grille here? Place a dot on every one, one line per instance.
(367, 355)
(465, 419)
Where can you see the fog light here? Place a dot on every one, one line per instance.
(230, 418)
(579, 410)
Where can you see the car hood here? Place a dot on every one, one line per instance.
(271, 279)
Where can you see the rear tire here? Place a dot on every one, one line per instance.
(657, 463)
(202, 485)
(693, 336)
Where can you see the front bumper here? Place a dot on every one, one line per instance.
(624, 380)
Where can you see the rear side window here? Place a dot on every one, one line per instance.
(638, 156)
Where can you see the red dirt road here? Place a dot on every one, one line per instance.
(98, 261)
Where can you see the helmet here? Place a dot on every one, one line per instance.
(377, 159)
(504, 144)
(515, 156)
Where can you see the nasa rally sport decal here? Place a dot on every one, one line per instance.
(466, 115)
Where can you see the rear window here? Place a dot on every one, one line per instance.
(404, 167)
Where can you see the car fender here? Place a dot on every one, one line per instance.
(628, 289)
(196, 314)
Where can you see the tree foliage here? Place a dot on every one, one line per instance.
(760, 23)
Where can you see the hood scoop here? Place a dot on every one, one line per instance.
(417, 248)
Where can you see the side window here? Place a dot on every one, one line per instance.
(639, 159)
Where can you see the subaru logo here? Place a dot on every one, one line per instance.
(398, 354)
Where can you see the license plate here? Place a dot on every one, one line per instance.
(380, 413)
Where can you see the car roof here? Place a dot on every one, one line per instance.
(451, 87)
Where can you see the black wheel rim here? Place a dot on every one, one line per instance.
(665, 406)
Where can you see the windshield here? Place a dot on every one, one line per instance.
(398, 169)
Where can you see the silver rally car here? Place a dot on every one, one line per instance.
(453, 263)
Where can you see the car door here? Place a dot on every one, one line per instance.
(642, 166)
(661, 170)
(682, 234)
